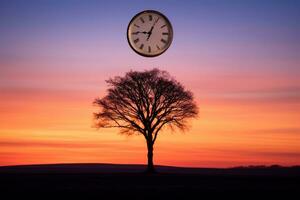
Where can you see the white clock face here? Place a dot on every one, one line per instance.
(149, 33)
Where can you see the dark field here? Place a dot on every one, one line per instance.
(105, 181)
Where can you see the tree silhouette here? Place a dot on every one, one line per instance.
(144, 103)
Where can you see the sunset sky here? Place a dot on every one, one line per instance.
(241, 59)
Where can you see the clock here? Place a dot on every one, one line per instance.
(149, 33)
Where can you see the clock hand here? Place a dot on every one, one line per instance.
(150, 32)
(135, 33)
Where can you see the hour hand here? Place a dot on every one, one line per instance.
(135, 33)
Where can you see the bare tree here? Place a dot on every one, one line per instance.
(144, 103)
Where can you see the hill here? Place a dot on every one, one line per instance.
(128, 181)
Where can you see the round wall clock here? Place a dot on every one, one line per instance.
(149, 33)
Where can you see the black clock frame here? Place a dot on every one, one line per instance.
(165, 18)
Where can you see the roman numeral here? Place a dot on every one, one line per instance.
(149, 49)
(157, 47)
(136, 25)
(136, 40)
(164, 41)
(163, 26)
(150, 17)
(142, 46)
(142, 19)
(165, 33)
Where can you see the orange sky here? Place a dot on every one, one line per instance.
(40, 126)
(242, 68)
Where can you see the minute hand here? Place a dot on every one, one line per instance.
(150, 32)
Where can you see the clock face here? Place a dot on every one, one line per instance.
(149, 33)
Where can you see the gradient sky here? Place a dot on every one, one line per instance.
(241, 59)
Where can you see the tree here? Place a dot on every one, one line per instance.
(144, 103)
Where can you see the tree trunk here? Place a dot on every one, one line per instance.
(150, 167)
